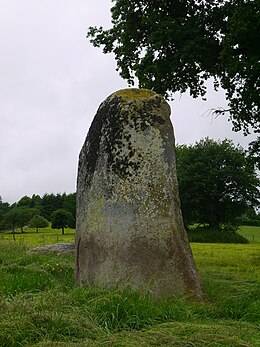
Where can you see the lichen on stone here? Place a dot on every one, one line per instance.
(135, 94)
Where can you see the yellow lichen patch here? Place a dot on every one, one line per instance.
(135, 93)
(95, 217)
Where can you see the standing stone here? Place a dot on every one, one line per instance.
(129, 224)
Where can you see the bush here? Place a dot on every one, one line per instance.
(251, 222)
(208, 234)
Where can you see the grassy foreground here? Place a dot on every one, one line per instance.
(40, 306)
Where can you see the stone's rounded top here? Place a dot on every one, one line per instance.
(135, 93)
(133, 100)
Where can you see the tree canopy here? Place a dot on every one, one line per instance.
(38, 222)
(178, 45)
(61, 219)
(217, 182)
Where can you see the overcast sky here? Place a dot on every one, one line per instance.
(51, 83)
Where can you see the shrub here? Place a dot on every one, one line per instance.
(208, 234)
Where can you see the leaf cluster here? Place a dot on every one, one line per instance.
(38, 222)
(178, 45)
(61, 219)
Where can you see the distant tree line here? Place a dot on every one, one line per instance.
(218, 183)
(38, 212)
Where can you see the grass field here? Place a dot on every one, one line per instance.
(45, 236)
(41, 307)
(251, 233)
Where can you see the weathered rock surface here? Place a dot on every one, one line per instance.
(129, 224)
(59, 248)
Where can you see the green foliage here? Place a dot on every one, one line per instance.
(51, 203)
(177, 46)
(40, 306)
(38, 222)
(253, 152)
(43, 206)
(69, 204)
(4, 208)
(250, 217)
(61, 219)
(25, 201)
(19, 217)
(215, 235)
(217, 182)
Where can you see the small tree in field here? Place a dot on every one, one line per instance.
(19, 217)
(11, 221)
(60, 219)
(38, 222)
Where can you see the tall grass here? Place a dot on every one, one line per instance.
(40, 306)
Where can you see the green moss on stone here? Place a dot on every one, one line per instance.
(135, 93)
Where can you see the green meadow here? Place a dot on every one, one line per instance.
(40, 305)
(251, 233)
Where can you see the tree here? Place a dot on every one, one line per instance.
(178, 45)
(37, 202)
(25, 201)
(253, 152)
(4, 208)
(38, 222)
(60, 219)
(250, 217)
(51, 203)
(69, 205)
(19, 217)
(217, 182)
(11, 221)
